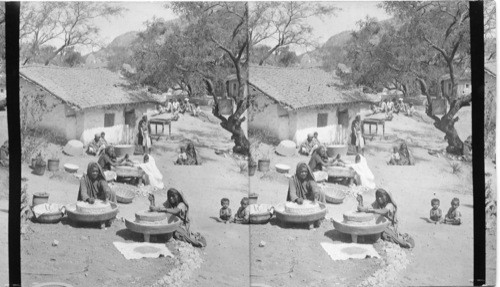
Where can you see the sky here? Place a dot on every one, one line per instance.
(139, 12)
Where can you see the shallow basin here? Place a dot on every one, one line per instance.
(375, 226)
(281, 215)
(166, 226)
(76, 216)
(71, 168)
(282, 168)
(260, 213)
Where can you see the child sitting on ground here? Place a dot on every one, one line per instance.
(453, 216)
(394, 159)
(182, 158)
(436, 214)
(225, 211)
(243, 213)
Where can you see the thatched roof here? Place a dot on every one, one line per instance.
(298, 88)
(84, 88)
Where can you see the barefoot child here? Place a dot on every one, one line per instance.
(394, 159)
(182, 158)
(453, 216)
(436, 214)
(243, 213)
(225, 211)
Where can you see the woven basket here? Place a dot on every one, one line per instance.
(335, 193)
(124, 193)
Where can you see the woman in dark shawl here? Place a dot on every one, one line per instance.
(385, 205)
(192, 155)
(108, 159)
(406, 158)
(93, 186)
(176, 204)
(319, 159)
(302, 186)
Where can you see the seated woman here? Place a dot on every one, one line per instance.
(152, 176)
(108, 159)
(176, 204)
(318, 160)
(191, 156)
(302, 186)
(308, 146)
(95, 146)
(385, 205)
(406, 158)
(93, 186)
(364, 175)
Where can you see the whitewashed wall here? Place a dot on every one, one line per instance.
(265, 115)
(53, 120)
(119, 133)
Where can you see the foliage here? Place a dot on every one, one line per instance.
(424, 41)
(32, 109)
(69, 22)
(283, 24)
(490, 204)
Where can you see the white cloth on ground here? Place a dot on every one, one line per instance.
(47, 208)
(154, 174)
(365, 174)
(138, 250)
(344, 251)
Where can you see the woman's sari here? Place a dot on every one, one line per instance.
(97, 189)
(183, 231)
(192, 155)
(154, 174)
(391, 232)
(406, 158)
(305, 189)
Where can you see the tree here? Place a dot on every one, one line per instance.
(209, 43)
(438, 36)
(283, 23)
(72, 58)
(70, 22)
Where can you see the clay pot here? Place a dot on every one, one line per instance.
(53, 164)
(251, 170)
(264, 165)
(39, 169)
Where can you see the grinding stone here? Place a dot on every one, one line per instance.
(147, 215)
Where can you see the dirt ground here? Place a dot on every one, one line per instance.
(85, 256)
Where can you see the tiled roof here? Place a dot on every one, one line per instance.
(298, 88)
(84, 87)
(491, 67)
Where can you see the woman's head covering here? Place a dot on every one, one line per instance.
(93, 165)
(390, 199)
(97, 136)
(182, 199)
(301, 166)
(110, 151)
(310, 136)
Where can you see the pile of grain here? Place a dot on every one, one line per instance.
(186, 262)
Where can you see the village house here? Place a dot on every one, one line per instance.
(463, 83)
(292, 102)
(86, 101)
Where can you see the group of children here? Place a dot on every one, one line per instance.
(453, 216)
(242, 216)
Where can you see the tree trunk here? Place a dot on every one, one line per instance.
(446, 123)
(233, 123)
(54, 55)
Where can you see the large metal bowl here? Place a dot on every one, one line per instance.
(282, 216)
(76, 216)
